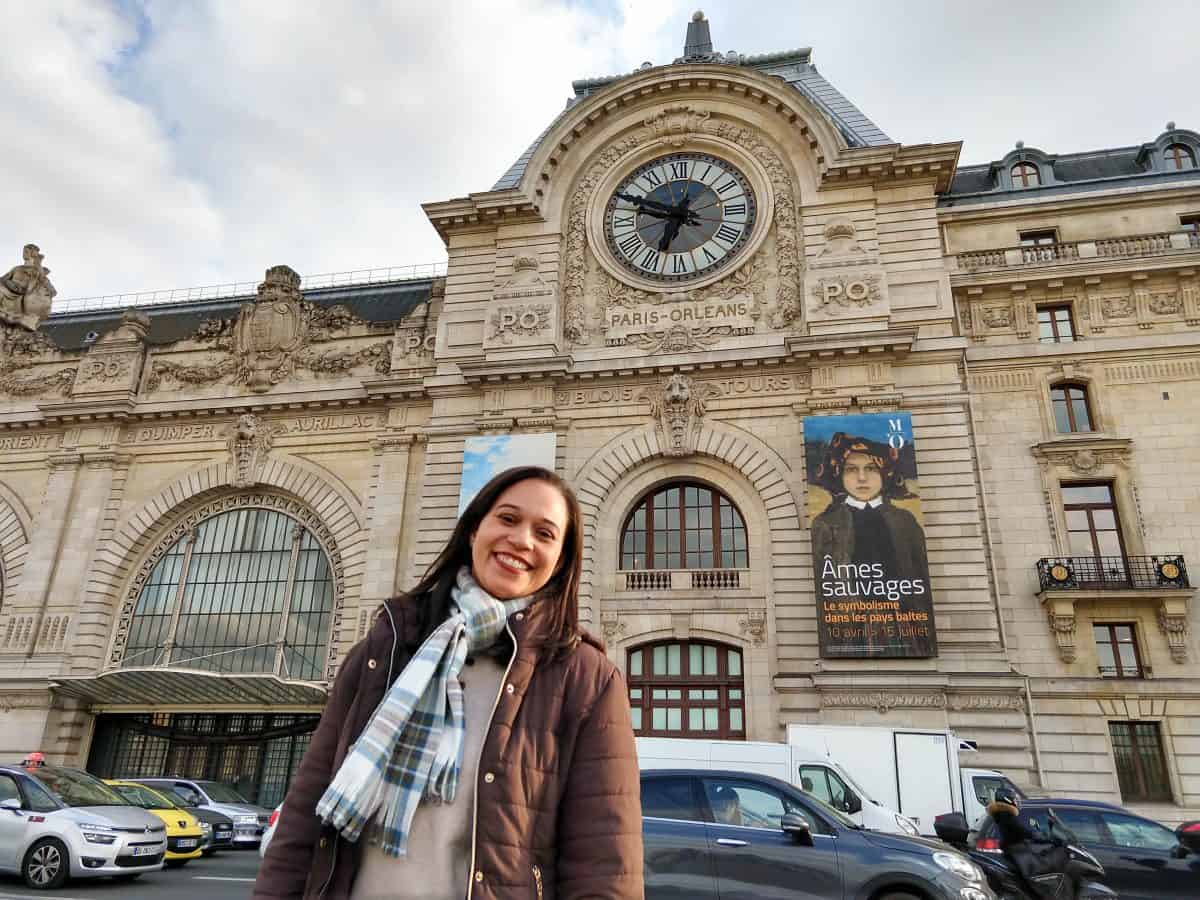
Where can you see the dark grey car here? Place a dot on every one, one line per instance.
(713, 835)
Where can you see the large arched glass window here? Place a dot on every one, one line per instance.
(687, 689)
(684, 526)
(249, 590)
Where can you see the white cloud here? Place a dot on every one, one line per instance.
(175, 144)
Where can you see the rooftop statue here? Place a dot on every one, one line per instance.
(26, 291)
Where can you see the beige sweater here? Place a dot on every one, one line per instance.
(439, 845)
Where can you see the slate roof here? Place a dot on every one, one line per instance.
(379, 303)
(793, 66)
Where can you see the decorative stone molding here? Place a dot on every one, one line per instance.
(24, 700)
(516, 323)
(26, 291)
(1189, 292)
(842, 247)
(678, 405)
(1084, 455)
(612, 626)
(249, 441)
(851, 295)
(883, 701)
(753, 626)
(1173, 623)
(672, 125)
(996, 316)
(16, 635)
(987, 702)
(52, 637)
(1061, 617)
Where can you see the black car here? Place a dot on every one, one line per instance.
(1142, 859)
(713, 835)
(222, 827)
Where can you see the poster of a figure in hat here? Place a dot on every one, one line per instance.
(874, 598)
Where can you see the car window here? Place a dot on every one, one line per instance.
(78, 788)
(814, 780)
(188, 794)
(139, 796)
(8, 788)
(1127, 831)
(37, 799)
(220, 792)
(751, 806)
(670, 798)
(1084, 823)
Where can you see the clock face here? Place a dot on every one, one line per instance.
(679, 217)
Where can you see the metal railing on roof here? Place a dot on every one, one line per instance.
(351, 278)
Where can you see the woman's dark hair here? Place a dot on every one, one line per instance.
(829, 471)
(432, 592)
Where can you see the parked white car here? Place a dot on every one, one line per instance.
(249, 821)
(58, 823)
(270, 832)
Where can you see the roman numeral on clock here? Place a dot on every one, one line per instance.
(623, 221)
(678, 266)
(726, 233)
(708, 256)
(679, 170)
(735, 209)
(652, 178)
(630, 245)
(730, 185)
(649, 259)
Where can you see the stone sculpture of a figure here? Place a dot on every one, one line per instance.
(26, 291)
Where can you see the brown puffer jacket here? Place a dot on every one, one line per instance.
(562, 819)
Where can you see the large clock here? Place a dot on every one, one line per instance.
(680, 218)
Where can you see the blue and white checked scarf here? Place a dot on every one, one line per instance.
(412, 747)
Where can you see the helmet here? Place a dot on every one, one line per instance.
(1007, 795)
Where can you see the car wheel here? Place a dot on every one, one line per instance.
(901, 895)
(46, 865)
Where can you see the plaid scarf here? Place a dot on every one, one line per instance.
(412, 747)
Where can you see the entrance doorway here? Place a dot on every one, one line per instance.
(255, 753)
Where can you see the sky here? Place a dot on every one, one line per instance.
(488, 455)
(155, 145)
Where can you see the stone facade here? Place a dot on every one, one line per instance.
(861, 289)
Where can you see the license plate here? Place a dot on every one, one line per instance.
(146, 851)
(185, 843)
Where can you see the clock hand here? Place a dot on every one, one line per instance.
(669, 233)
(645, 204)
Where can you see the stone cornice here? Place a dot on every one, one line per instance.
(898, 341)
(1074, 269)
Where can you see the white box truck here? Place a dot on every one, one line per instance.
(779, 761)
(915, 771)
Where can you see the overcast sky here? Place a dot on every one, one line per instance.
(152, 145)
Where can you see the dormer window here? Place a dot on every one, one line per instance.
(1178, 157)
(1025, 175)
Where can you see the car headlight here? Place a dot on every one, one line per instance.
(97, 834)
(959, 865)
(907, 826)
(205, 828)
(973, 893)
(246, 820)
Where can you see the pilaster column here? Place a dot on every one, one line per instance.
(386, 516)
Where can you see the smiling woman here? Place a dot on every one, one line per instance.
(475, 713)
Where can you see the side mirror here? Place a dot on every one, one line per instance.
(952, 828)
(12, 804)
(1189, 835)
(1180, 851)
(853, 803)
(797, 826)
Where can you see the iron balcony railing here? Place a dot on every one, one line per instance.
(1112, 573)
(1133, 246)
(685, 579)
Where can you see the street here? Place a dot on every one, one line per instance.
(228, 875)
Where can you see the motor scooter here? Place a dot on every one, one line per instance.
(1081, 879)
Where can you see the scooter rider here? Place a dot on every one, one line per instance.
(1040, 860)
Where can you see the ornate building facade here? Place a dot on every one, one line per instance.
(691, 273)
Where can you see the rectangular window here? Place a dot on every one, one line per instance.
(1042, 238)
(1117, 650)
(1141, 763)
(1190, 223)
(1055, 325)
(1094, 530)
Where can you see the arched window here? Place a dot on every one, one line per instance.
(687, 689)
(1177, 157)
(684, 526)
(1025, 175)
(248, 590)
(1071, 410)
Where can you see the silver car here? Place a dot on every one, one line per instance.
(249, 821)
(270, 832)
(58, 823)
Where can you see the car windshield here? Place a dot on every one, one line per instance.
(142, 796)
(77, 788)
(221, 793)
(829, 812)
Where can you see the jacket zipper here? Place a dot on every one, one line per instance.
(479, 763)
(537, 881)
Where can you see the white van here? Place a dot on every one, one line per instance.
(822, 777)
